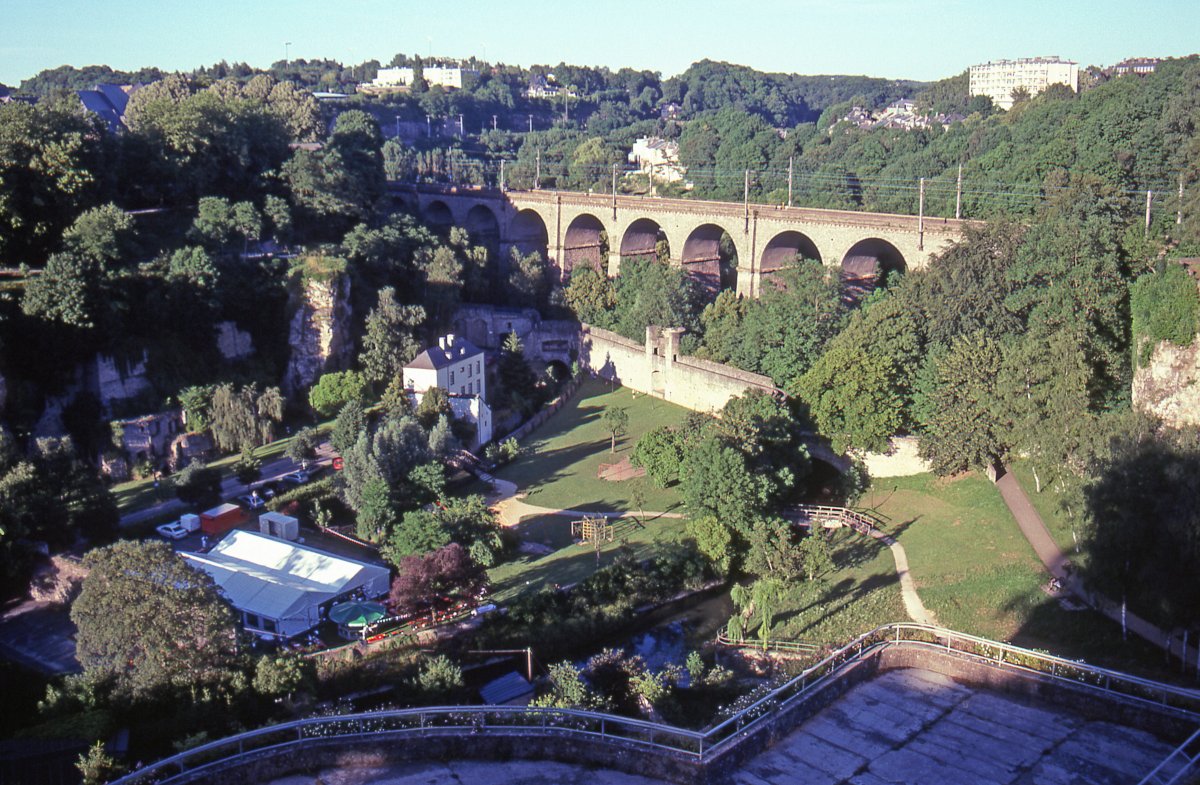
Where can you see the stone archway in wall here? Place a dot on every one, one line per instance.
(782, 250)
(642, 239)
(585, 244)
(439, 215)
(710, 258)
(868, 265)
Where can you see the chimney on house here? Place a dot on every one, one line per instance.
(449, 340)
(442, 343)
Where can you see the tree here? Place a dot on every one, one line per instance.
(772, 552)
(715, 480)
(517, 382)
(440, 678)
(434, 405)
(660, 453)
(97, 767)
(420, 580)
(962, 430)
(859, 391)
(816, 557)
(334, 390)
(419, 532)
(714, 541)
(303, 446)
(568, 691)
(147, 620)
(243, 418)
(591, 296)
(528, 280)
(351, 423)
(390, 341)
(198, 485)
(616, 423)
(278, 676)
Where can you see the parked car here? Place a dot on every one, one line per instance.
(298, 477)
(177, 530)
(252, 501)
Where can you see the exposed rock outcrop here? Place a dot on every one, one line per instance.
(1169, 385)
(319, 334)
(233, 343)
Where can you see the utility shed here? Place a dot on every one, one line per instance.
(282, 589)
(276, 524)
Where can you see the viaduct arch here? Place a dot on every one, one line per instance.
(571, 229)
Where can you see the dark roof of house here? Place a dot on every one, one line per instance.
(108, 101)
(504, 689)
(435, 357)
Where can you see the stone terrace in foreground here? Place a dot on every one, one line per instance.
(909, 726)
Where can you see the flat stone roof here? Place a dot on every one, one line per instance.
(906, 727)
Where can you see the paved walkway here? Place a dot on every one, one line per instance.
(1035, 531)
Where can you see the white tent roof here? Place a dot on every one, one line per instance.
(279, 579)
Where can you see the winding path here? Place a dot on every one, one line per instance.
(510, 505)
(1057, 564)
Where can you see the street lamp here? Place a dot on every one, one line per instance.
(287, 52)
(397, 127)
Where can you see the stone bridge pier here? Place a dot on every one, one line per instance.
(573, 230)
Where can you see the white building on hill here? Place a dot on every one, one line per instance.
(459, 367)
(451, 78)
(281, 589)
(999, 79)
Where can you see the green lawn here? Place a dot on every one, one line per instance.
(974, 569)
(569, 562)
(862, 594)
(559, 462)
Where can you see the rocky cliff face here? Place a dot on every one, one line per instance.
(319, 334)
(234, 344)
(1169, 385)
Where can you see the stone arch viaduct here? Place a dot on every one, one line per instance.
(574, 229)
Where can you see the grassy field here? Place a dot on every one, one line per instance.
(569, 562)
(976, 572)
(559, 463)
(861, 595)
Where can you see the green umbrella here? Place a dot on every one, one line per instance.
(357, 613)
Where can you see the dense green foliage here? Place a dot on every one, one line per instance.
(1164, 306)
(147, 621)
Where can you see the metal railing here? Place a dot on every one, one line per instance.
(798, 647)
(695, 746)
(1179, 764)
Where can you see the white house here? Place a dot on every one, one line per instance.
(281, 589)
(457, 366)
(661, 155)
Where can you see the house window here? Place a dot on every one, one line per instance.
(470, 370)
(462, 391)
(452, 377)
(252, 621)
(477, 366)
(269, 625)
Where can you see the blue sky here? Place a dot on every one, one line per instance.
(918, 39)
